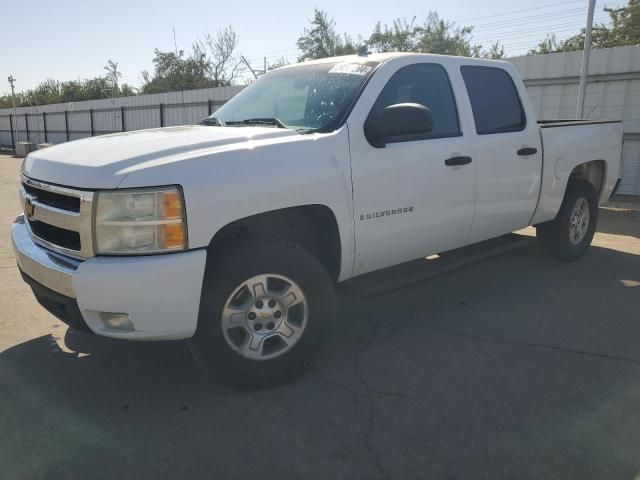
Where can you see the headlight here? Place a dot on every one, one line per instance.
(140, 221)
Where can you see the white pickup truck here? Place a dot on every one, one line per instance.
(233, 233)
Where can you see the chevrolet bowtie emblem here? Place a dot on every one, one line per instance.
(29, 208)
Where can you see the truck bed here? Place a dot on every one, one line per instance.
(568, 143)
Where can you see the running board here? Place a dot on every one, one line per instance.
(403, 275)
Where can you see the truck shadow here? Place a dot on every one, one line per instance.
(515, 332)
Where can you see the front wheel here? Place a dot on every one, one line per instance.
(569, 235)
(265, 310)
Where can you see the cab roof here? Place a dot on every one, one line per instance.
(385, 56)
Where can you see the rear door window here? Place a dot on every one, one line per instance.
(494, 100)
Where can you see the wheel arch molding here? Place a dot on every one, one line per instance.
(313, 227)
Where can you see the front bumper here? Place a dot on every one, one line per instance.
(63, 308)
(160, 294)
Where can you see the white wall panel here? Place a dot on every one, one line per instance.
(630, 184)
(55, 124)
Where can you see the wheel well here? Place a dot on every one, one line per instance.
(313, 227)
(593, 172)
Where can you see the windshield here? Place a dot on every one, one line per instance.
(308, 97)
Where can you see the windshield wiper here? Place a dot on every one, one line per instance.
(212, 121)
(260, 121)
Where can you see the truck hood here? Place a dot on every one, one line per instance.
(103, 162)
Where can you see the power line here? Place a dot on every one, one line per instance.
(520, 11)
(511, 21)
(536, 18)
(519, 33)
(273, 52)
(526, 39)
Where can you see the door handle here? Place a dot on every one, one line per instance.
(457, 161)
(523, 152)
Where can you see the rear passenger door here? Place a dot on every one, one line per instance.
(408, 200)
(508, 151)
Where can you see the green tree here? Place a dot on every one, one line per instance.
(322, 40)
(438, 36)
(220, 51)
(549, 45)
(175, 71)
(113, 74)
(495, 52)
(434, 35)
(400, 37)
(212, 62)
(624, 30)
(277, 63)
(49, 91)
(98, 87)
(625, 24)
(74, 91)
(55, 91)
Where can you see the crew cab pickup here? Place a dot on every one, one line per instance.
(233, 233)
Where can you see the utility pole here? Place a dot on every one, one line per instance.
(184, 109)
(253, 72)
(13, 99)
(585, 61)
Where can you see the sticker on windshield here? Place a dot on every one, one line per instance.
(351, 68)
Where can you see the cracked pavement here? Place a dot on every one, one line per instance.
(517, 367)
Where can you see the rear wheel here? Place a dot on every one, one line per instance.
(569, 235)
(265, 311)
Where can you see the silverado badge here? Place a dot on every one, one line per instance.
(29, 208)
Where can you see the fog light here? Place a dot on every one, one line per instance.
(117, 321)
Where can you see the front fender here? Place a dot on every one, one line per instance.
(230, 184)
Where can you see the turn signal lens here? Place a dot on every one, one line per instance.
(172, 205)
(174, 236)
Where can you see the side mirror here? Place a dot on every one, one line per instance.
(399, 121)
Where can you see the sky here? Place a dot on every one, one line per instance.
(70, 39)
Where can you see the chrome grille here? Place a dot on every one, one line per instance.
(59, 218)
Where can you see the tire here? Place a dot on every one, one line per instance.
(558, 238)
(231, 338)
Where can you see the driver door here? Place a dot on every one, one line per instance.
(409, 200)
